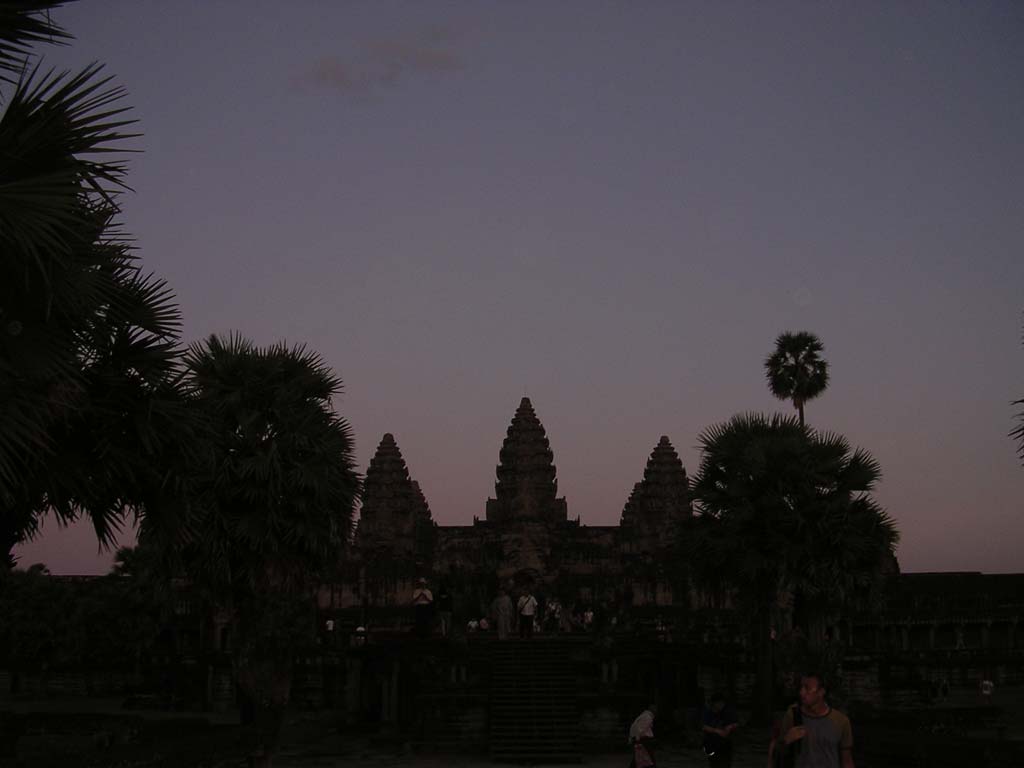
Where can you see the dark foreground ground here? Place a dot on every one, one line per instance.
(100, 734)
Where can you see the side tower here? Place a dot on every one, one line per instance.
(394, 517)
(526, 489)
(659, 502)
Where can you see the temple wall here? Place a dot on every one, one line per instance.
(460, 548)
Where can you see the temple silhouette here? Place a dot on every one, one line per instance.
(526, 537)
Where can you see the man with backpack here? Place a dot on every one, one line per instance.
(812, 735)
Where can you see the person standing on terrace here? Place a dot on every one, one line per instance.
(527, 607)
(423, 605)
(816, 735)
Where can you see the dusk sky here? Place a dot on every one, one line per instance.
(613, 208)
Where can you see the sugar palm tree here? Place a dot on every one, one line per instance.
(784, 510)
(89, 373)
(796, 370)
(278, 488)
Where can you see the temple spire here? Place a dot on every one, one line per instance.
(526, 488)
(394, 512)
(661, 500)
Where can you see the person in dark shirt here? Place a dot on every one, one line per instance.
(719, 723)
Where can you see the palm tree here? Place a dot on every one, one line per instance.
(89, 395)
(277, 492)
(784, 510)
(795, 370)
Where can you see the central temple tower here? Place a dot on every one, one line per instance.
(526, 489)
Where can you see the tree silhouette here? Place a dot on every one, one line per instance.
(273, 504)
(795, 370)
(783, 510)
(89, 361)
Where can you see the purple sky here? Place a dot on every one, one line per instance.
(613, 208)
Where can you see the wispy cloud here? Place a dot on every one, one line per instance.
(383, 63)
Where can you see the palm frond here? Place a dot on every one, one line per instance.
(785, 504)
(282, 483)
(1018, 433)
(50, 131)
(22, 23)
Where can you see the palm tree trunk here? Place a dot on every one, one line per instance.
(800, 408)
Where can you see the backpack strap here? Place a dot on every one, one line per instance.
(793, 750)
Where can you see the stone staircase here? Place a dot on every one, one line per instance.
(533, 703)
(453, 724)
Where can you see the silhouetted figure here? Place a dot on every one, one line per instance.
(553, 616)
(423, 605)
(444, 609)
(718, 724)
(641, 738)
(588, 619)
(527, 608)
(987, 689)
(502, 613)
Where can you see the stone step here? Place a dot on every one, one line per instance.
(555, 731)
(564, 705)
(535, 756)
(511, 719)
(533, 711)
(545, 701)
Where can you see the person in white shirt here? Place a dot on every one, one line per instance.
(641, 736)
(423, 605)
(527, 607)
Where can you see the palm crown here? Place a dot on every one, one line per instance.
(279, 479)
(795, 369)
(786, 510)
